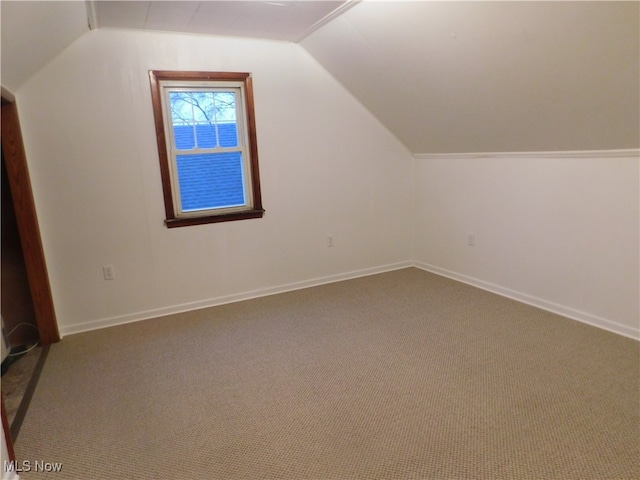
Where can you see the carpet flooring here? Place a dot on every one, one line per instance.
(401, 375)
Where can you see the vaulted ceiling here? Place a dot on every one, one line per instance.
(492, 76)
(442, 76)
(289, 20)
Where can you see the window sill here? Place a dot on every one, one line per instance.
(228, 217)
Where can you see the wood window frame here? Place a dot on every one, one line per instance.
(173, 219)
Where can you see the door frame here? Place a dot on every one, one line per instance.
(28, 227)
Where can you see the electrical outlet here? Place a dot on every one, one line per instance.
(109, 272)
(471, 239)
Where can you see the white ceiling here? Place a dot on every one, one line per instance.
(278, 20)
(443, 76)
(487, 76)
(35, 32)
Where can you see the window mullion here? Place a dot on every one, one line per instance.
(194, 127)
(203, 151)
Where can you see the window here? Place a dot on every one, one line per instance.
(206, 132)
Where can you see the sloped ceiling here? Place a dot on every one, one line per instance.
(35, 32)
(445, 77)
(289, 20)
(492, 76)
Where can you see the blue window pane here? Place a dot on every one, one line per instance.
(228, 134)
(185, 138)
(213, 180)
(206, 136)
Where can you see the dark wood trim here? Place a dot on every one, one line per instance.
(171, 221)
(156, 100)
(253, 143)
(187, 76)
(21, 191)
(227, 217)
(7, 433)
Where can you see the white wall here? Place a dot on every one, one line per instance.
(327, 167)
(560, 231)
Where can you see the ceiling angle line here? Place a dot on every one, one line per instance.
(92, 14)
(327, 18)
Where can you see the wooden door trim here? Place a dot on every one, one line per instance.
(22, 193)
(7, 434)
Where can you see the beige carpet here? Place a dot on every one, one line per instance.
(402, 375)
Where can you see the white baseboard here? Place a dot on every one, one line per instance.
(568, 312)
(212, 302)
